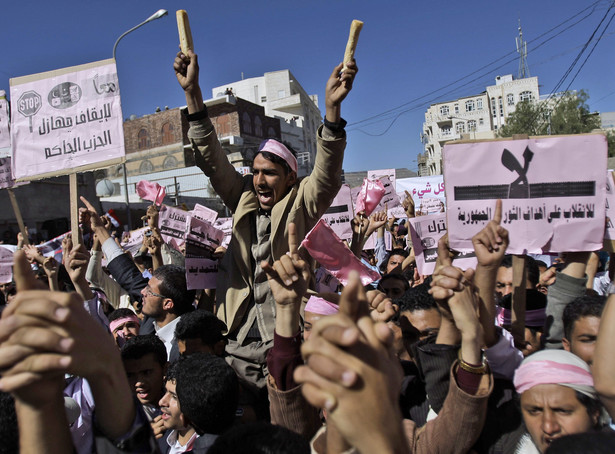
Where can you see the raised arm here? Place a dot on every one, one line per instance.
(603, 368)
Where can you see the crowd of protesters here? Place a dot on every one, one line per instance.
(108, 352)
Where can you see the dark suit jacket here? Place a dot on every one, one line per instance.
(126, 273)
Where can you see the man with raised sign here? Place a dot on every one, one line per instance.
(263, 204)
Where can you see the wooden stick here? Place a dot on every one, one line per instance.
(17, 211)
(353, 39)
(74, 208)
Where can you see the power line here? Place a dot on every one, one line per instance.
(382, 115)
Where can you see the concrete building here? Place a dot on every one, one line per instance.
(284, 98)
(471, 118)
(158, 149)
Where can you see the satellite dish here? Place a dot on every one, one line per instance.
(105, 188)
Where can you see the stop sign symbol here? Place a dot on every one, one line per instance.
(29, 103)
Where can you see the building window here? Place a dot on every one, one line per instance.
(271, 132)
(258, 127)
(444, 110)
(456, 108)
(479, 104)
(146, 167)
(263, 98)
(167, 134)
(501, 106)
(481, 121)
(246, 123)
(471, 125)
(510, 99)
(470, 105)
(460, 127)
(446, 131)
(494, 111)
(303, 159)
(526, 96)
(170, 162)
(143, 139)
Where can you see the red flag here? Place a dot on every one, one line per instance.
(151, 191)
(370, 196)
(327, 249)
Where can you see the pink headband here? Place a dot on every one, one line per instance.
(274, 147)
(321, 306)
(545, 372)
(120, 321)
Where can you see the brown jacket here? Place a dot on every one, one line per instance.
(454, 431)
(304, 204)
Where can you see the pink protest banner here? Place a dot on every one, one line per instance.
(202, 239)
(151, 191)
(425, 232)
(6, 265)
(327, 249)
(339, 215)
(369, 196)
(553, 191)
(609, 233)
(6, 179)
(66, 121)
(226, 225)
(370, 243)
(172, 225)
(5, 137)
(378, 174)
(427, 192)
(204, 214)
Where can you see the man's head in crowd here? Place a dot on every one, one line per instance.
(200, 331)
(394, 260)
(394, 285)
(145, 359)
(504, 277)
(315, 309)
(260, 438)
(581, 325)
(274, 171)
(419, 316)
(558, 397)
(535, 316)
(208, 392)
(123, 324)
(172, 416)
(166, 295)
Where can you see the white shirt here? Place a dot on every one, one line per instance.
(167, 334)
(177, 448)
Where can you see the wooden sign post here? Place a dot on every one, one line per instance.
(17, 211)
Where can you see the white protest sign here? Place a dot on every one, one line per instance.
(5, 137)
(66, 121)
(427, 192)
(172, 225)
(133, 240)
(378, 174)
(204, 214)
(6, 179)
(425, 232)
(339, 215)
(6, 265)
(553, 191)
(202, 239)
(226, 225)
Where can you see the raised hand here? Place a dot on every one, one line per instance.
(408, 204)
(187, 70)
(491, 242)
(288, 277)
(337, 88)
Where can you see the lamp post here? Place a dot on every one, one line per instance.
(157, 15)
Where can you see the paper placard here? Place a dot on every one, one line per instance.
(66, 120)
(553, 191)
(340, 214)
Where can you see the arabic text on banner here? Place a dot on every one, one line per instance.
(202, 239)
(226, 225)
(425, 232)
(427, 192)
(6, 265)
(65, 119)
(553, 191)
(609, 233)
(339, 215)
(172, 225)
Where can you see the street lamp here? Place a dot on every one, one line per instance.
(157, 15)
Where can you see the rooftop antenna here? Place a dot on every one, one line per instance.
(524, 70)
